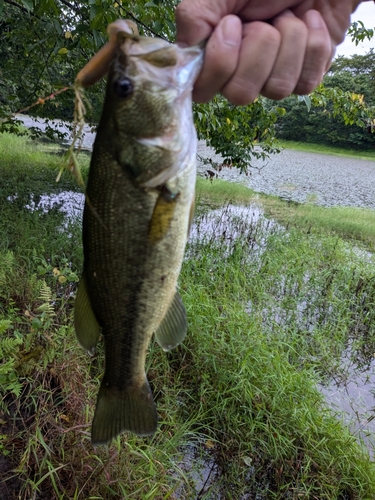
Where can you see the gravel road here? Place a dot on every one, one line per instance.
(293, 175)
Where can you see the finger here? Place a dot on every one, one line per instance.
(336, 15)
(197, 19)
(318, 55)
(220, 60)
(289, 62)
(260, 45)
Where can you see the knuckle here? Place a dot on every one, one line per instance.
(240, 93)
(306, 85)
(292, 26)
(262, 32)
(278, 88)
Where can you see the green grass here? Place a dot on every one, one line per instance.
(271, 313)
(329, 150)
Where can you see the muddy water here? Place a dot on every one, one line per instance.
(352, 396)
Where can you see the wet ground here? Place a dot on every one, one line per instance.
(302, 177)
(352, 396)
(351, 393)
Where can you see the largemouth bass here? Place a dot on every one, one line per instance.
(138, 210)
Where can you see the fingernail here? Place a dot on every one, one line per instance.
(232, 30)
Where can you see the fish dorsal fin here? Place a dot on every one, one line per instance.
(173, 328)
(85, 322)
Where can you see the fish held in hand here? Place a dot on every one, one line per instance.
(139, 206)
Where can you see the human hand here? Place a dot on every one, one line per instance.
(268, 47)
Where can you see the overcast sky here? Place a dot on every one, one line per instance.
(366, 14)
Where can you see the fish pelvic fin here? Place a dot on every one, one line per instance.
(173, 328)
(132, 409)
(85, 323)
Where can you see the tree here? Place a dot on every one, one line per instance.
(44, 43)
(343, 108)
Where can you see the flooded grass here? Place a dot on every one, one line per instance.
(278, 317)
(354, 224)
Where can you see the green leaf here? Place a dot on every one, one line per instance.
(28, 4)
(280, 111)
(63, 51)
(306, 99)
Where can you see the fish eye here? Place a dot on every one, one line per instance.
(123, 87)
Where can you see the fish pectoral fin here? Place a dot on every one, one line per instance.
(85, 323)
(162, 215)
(191, 215)
(173, 328)
(117, 411)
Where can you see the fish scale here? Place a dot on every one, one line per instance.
(139, 204)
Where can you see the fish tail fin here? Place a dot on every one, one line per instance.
(132, 409)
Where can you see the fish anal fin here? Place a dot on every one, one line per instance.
(173, 328)
(162, 215)
(85, 323)
(117, 411)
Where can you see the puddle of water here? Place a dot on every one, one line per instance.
(69, 203)
(205, 476)
(226, 225)
(350, 393)
(200, 468)
(352, 396)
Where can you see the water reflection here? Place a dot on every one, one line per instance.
(68, 202)
(351, 394)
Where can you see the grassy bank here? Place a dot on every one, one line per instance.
(353, 224)
(270, 312)
(329, 150)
